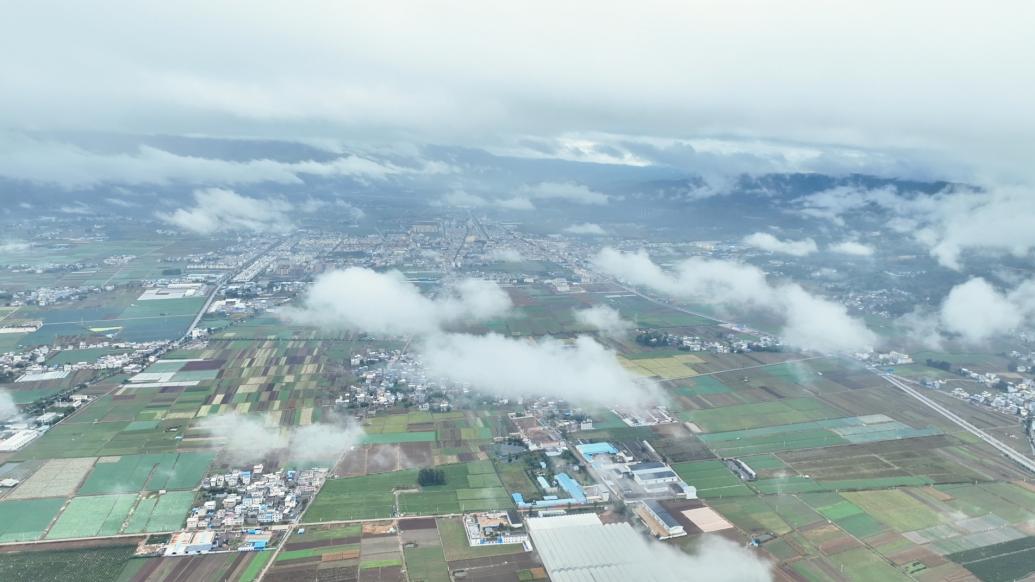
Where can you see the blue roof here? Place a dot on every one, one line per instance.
(590, 449)
(571, 486)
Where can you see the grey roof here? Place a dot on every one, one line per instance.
(662, 513)
(579, 548)
(646, 466)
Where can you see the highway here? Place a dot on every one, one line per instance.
(1014, 455)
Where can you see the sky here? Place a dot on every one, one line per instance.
(921, 87)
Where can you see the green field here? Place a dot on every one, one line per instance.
(427, 564)
(743, 416)
(133, 473)
(26, 519)
(87, 565)
(712, 479)
(161, 513)
(467, 488)
(1000, 562)
(455, 546)
(75, 356)
(97, 515)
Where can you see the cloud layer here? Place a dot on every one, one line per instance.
(586, 229)
(603, 319)
(386, 303)
(583, 372)
(217, 210)
(769, 243)
(809, 322)
(248, 439)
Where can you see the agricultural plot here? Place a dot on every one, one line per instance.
(469, 487)
(678, 366)
(160, 513)
(738, 417)
(97, 515)
(236, 566)
(101, 564)
(23, 520)
(810, 435)
(340, 552)
(712, 479)
(133, 473)
(55, 478)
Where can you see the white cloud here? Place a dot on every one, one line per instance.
(998, 221)
(566, 191)
(14, 246)
(769, 243)
(8, 408)
(515, 203)
(71, 166)
(248, 439)
(584, 372)
(218, 210)
(853, 248)
(340, 71)
(949, 223)
(586, 228)
(976, 311)
(386, 303)
(464, 199)
(604, 319)
(505, 255)
(834, 203)
(809, 322)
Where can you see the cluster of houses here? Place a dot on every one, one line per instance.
(254, 497)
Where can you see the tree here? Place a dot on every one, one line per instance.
(428, 477)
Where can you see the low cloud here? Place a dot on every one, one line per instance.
(972, 313)
(505, 255)
(8, 408)
(313, 205)
(71, 166)
(583, 372)
(976, 311)
(464, 199)
(809, 322)
(14, 246)
(386, 303)
(603, 319)
(586, 228)
(565, 191)
(950, 223)
(852, 248)
(218, 210)
(769, 243)
(247, 439)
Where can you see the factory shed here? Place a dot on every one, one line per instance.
(581, 548)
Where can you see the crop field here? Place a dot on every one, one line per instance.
(738, 417)
(470, 486)
(55, 478)
(27, 519)
(814, 434)
(147, 472)
(236, 566)
(101, 564)
(341, 552)
(159, 513)
(678, 366)
(97, 515)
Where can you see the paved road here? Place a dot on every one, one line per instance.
(1013, 454)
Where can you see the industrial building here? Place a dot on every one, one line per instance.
(661, 523)
(581, 548)
(188, 543)
(653, 475)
